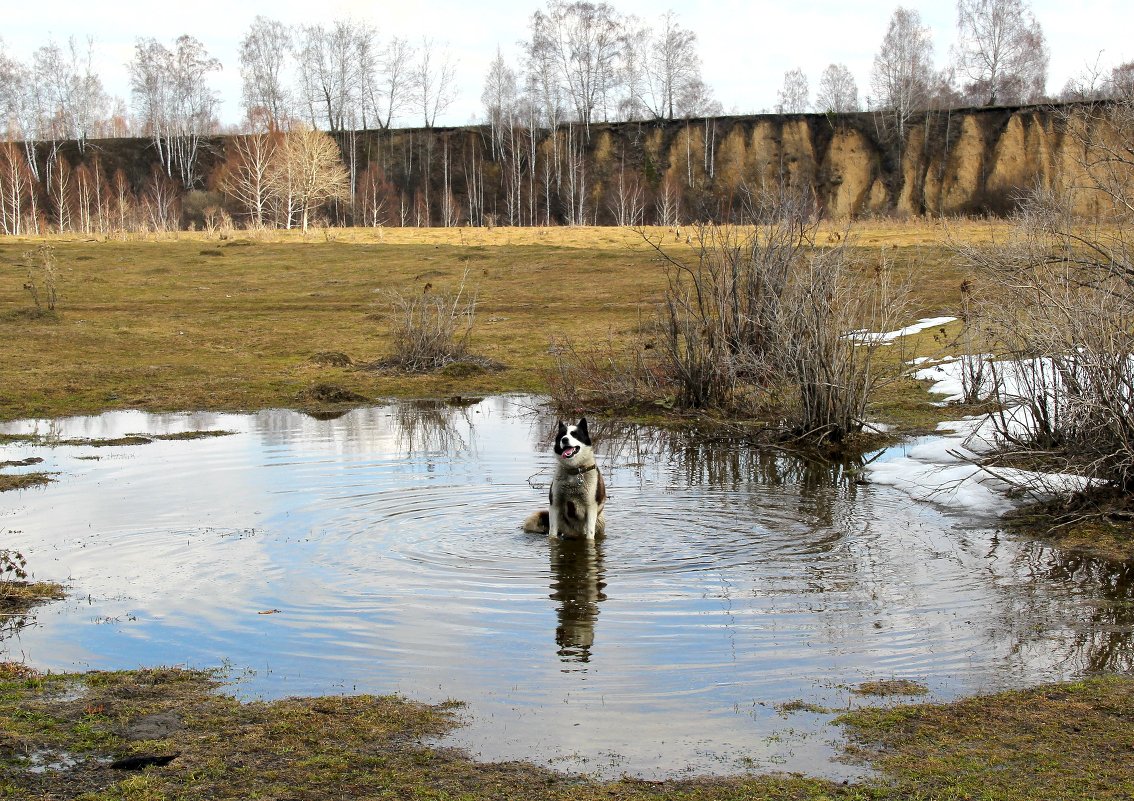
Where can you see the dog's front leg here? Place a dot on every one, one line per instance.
(553, 521)
(591, 522)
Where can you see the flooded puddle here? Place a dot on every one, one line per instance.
(381, 552)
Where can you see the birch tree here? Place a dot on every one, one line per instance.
(584, 41)
(1002, 51)
(794, 96)
(264, 54)
(332, 74)
(313, 171)
(173, 98)
(433, 80)
(903, 72)
(837, 91)
(674, 69)
(250, 175)
(71, 98)
(393, 88)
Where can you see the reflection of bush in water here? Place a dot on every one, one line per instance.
(1101, 643)
(430, 426)
(733, 463)
(18, 595)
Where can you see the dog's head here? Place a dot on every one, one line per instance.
(573, 443)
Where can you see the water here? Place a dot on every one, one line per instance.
(381, 552)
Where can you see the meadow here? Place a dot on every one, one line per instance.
(193, 321)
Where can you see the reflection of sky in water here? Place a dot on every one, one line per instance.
(389, 541)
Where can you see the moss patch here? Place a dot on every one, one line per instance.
(1068, 741)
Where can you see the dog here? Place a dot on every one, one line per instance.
(577, 495)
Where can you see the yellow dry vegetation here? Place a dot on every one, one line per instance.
(197, 321)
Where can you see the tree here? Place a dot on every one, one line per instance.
(313, 171)
(173, 98)
(903, 72)
(433, 79)
(838, 92)
(500, 97)
(393, 85)
(673, 69)
(264, 51)
(1120, 85)
(333, 76)
(794, 97)
(583, 41)
(71, 97)
(1002, 51)
(250, 174)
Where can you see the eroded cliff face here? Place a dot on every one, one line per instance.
(977, 161)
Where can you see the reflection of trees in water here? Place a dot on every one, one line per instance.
(826, 490)
(1099, 608)
(411, 428)
(425, 427)
(577, 584)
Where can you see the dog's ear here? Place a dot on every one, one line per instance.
(582, 432)
(560, 428)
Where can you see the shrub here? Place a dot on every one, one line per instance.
(430, 330)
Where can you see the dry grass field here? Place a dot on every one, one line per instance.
(191, 321)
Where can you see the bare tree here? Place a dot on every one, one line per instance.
(313, 171)
(264, 52)
(795, 95)
(583, 41)
(393, 85)
(903, 72)
(838, 91)
(19, 107)
(332, 76)
(674, 66)
(250, 174)
(173, 98)
(434, 75)
(72, 100)
(1001, 50)
(1120, 85)
(500, 97)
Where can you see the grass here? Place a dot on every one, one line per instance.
(152, 324)
(1070, 741)
(1066, 741)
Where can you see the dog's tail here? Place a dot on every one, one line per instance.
(537, 523)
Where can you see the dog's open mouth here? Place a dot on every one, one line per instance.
(569, 452)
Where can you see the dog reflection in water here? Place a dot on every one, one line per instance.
(577, 584)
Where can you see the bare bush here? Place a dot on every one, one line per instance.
(1060, 299)
(610, 372)
(754, 322)
(831, 369)
(432, 329)
(720, 324)
(42, 280)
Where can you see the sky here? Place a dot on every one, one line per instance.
(745, 47)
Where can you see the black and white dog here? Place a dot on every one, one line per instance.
(577, 494)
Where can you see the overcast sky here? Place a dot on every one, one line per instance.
(745, 46)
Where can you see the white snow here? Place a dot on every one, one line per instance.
(938, 469)
(890, 336)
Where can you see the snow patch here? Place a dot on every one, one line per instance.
(887, 337)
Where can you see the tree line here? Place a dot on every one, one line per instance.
(582, 63)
